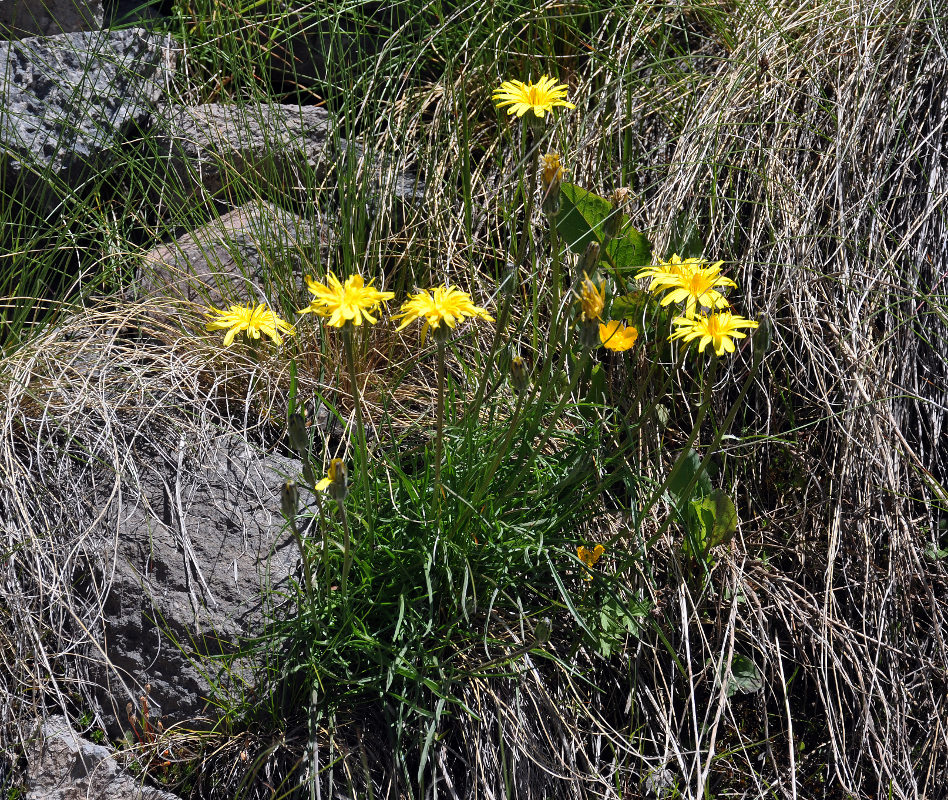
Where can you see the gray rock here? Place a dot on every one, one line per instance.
(61, 765)
(257, 251)
(218, 148)
(20, 18)
(199, 543)
(66, 100)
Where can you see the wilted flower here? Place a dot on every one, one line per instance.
(446, 304)
(539, 97)
(718, 329)
(551, 176)
(615, 221)
(347, 303)
(589, 556)
(617, 336)
(336, 482)
(252, 320)
(591, 256)
(591, 300)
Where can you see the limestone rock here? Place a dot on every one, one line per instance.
(67, 100)
(64, 766)
(48, 17)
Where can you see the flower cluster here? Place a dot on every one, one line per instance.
(696, 284)
(350, 303)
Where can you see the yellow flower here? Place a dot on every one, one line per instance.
(699, 289)
(589, 556)
(250, 319)
(671, 272)
(336, 481)
(443, 304)
(617, 336)
(718, 329)
(591, 299)
(538, 97)
(344, 304)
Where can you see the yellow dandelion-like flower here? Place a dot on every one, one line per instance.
(446, 304)
(589, 556)
(699, 289)
(343, 304)
(672, 272)
(718, 329)
(249, 319)
(336, 481)
(591, 300)
(617, 336)
(539, 97)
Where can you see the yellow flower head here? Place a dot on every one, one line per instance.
(252, 320)
(445, 304)
(718, 329)
(538, 97)
(699, 289)
(617, 336)
(591, 300)
(345, 303)
(589, 556)
(336, 481)
(671, 272)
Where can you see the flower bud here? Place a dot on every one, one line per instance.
(761, 340)
(519, 375)
(591, 257)
(299, 436)
(615, 221)
(289, 501)
(338, 480)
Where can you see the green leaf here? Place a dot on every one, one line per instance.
(719, 516)
(682, 476)
(933, 553)
(580, 222)
(744, 677)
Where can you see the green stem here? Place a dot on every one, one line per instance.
(346, 551)
(347, 335)
(529, 149)
(307, 571)
(439, 442)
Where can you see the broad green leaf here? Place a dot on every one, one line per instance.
(744, 677)
(580, 221)
(718, 516)
(682, 476)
